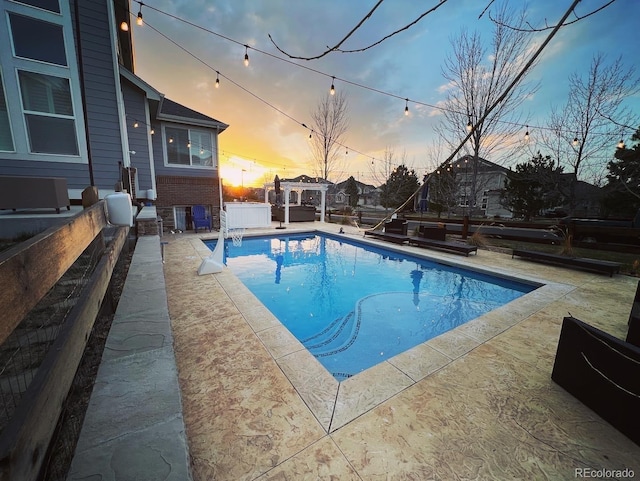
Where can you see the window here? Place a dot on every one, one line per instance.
(40, 97)
(485, 200)
(46, 46)
(188, 147)
(50, 5)
(6, 140)
(48, 112)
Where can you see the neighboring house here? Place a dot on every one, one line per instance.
(71, 107)
(367, 194)
(488, 181)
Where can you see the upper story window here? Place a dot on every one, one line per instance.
(48, 112)
(188, 147)
(50, 5)
(6, 139)
(47, 45)
(41, 83)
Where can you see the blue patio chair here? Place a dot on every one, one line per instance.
(200, 218)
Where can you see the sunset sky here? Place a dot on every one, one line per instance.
(266, 102)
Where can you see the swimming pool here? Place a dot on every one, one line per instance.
(353, 305)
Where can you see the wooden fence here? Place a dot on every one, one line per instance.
(27, 273)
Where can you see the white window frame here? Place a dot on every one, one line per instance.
(189, 129)
(4, 92)
(10, 63)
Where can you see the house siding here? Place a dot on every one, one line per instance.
(16, 164)
(100, 81)
(134, 101)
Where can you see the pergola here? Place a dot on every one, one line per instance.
(297, 187)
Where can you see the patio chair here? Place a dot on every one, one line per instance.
(200, 218)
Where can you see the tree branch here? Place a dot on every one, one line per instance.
(549, 27)
(334, 48)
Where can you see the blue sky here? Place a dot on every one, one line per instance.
(262, 142)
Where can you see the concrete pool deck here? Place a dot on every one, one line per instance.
(477, 402)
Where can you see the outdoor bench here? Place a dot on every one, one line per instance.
(444, 245)
(34, 193)
(585, 263)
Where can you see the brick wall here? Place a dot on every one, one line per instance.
(176, 190)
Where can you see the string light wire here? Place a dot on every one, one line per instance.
(310, 69)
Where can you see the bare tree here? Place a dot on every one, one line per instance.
(477, 77)
(330, 124)
(582, 134)
(381, 173)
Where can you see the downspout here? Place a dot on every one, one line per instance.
(82, 93)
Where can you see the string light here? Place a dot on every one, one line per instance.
(621, 144)
(332, 90)
(139, 19)
(189, 143)
(469, 125)
(171, 140)
(124, 26)
(135, 124)
(152, 131)
(575, 141)
(526, 135)
(406, 107)
(217, 79)
(246, 55)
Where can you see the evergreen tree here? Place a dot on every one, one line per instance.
(442, 190)
(351, 189)
(622, 198)
(400, 185)
(533, 186)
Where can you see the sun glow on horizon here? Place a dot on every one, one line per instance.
(240, 172)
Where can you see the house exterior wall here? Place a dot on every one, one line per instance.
(135, 102)
(19, 160)
(94, 85)
(102, 92)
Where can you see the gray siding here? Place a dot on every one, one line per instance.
(100, 82)
(134, 102)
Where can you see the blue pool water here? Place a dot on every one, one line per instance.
(353, 305)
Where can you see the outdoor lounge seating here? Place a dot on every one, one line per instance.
(200, 218)
(602, 372)
(436, 237)
(457, 247)
(395, 230)
(585, 263)
(34, 193)
(297, 213)
(633, 334)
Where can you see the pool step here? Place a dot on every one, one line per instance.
(339, 335)
(333, 333)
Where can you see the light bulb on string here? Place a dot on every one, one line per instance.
(406, 107)
(621, 144)
(171, 140)
(469, 126)
(188, 144)
(246, 55)
(152, 131)
(332, 90)
(575, 141)
(139, 19)
(124, 26)
(526, 135)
